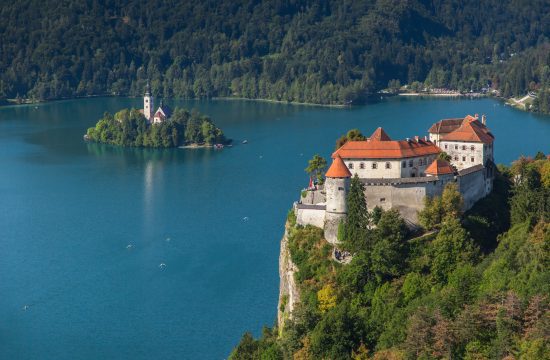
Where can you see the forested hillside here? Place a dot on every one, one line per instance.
(321, 51)
(476, 286)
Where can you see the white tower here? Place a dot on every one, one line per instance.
(337, 187)
(148, 104)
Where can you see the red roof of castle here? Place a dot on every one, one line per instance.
(380, 146)
(445, 126)
(380, 135)
(338, 169)
(439, 167)
(471, 130)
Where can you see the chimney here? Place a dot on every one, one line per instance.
(425, 138)
(484, 119)
(416, 138)
(476, 116)
(408, 139)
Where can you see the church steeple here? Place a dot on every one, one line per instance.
(148, 103)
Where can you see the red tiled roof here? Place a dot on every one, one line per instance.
(471, 130)
(338, 169)
(392, 149)
(445, 126)
(439, 167)
(380, 135)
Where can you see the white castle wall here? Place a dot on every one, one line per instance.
(467, 154)
(389, 168)
(405, 195)
(315, 217)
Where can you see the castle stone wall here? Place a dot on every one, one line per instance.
(472, 186)
(314, 216)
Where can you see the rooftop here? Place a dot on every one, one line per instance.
(439, 167)
(470, 130)
(338, 169)
(380, 146)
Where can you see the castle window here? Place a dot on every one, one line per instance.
(456, 147)
(388, 165)
(464, 158)
(361, 165)
(456, 158)
(382, 199)
(374, 165)
(463, 147)
(446, 146)
(146, 100)
(404, 164)
(410, 163)
(472, 148)
(420, 162)
(472, 159)
(340, 188)
(350, 165)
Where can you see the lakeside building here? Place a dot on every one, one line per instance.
(399, 174)
(163, 112)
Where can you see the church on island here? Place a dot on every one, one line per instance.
(160, 115)
(399, 174)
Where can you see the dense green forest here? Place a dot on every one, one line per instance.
(319, 51)
(477, 287)
(130, 128)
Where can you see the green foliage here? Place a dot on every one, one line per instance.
(130, 128)
(451, 247)
(316, 167)
(436, 210)
(352, 135)
(389, 247)
(356, 226)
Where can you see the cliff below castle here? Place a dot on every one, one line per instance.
(288, 290)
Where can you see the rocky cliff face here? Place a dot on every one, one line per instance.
(288, 290)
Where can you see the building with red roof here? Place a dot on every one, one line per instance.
(381, 157)
(468, 144)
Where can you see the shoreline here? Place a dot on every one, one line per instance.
(226, 98)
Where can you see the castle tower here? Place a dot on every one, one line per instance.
(336, 186)
(148, 104)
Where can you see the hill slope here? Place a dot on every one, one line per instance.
(323, 51)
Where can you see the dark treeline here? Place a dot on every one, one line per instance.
(323, 51)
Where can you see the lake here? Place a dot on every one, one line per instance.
(84, 228)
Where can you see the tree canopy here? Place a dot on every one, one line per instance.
(320, 51)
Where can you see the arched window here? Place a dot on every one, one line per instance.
(350, 165)
(472, 148)
(374, 165)
(361, 165)
(388, 165)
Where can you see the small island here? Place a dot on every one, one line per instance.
(161, 129)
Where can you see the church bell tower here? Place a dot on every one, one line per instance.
(148, 105)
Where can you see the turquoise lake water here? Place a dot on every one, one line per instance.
(69, 211)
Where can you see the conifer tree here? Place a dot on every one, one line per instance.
(356, 226)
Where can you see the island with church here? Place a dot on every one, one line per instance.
(160, 128)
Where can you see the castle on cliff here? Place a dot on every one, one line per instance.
(399, 174)
(163, 112)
